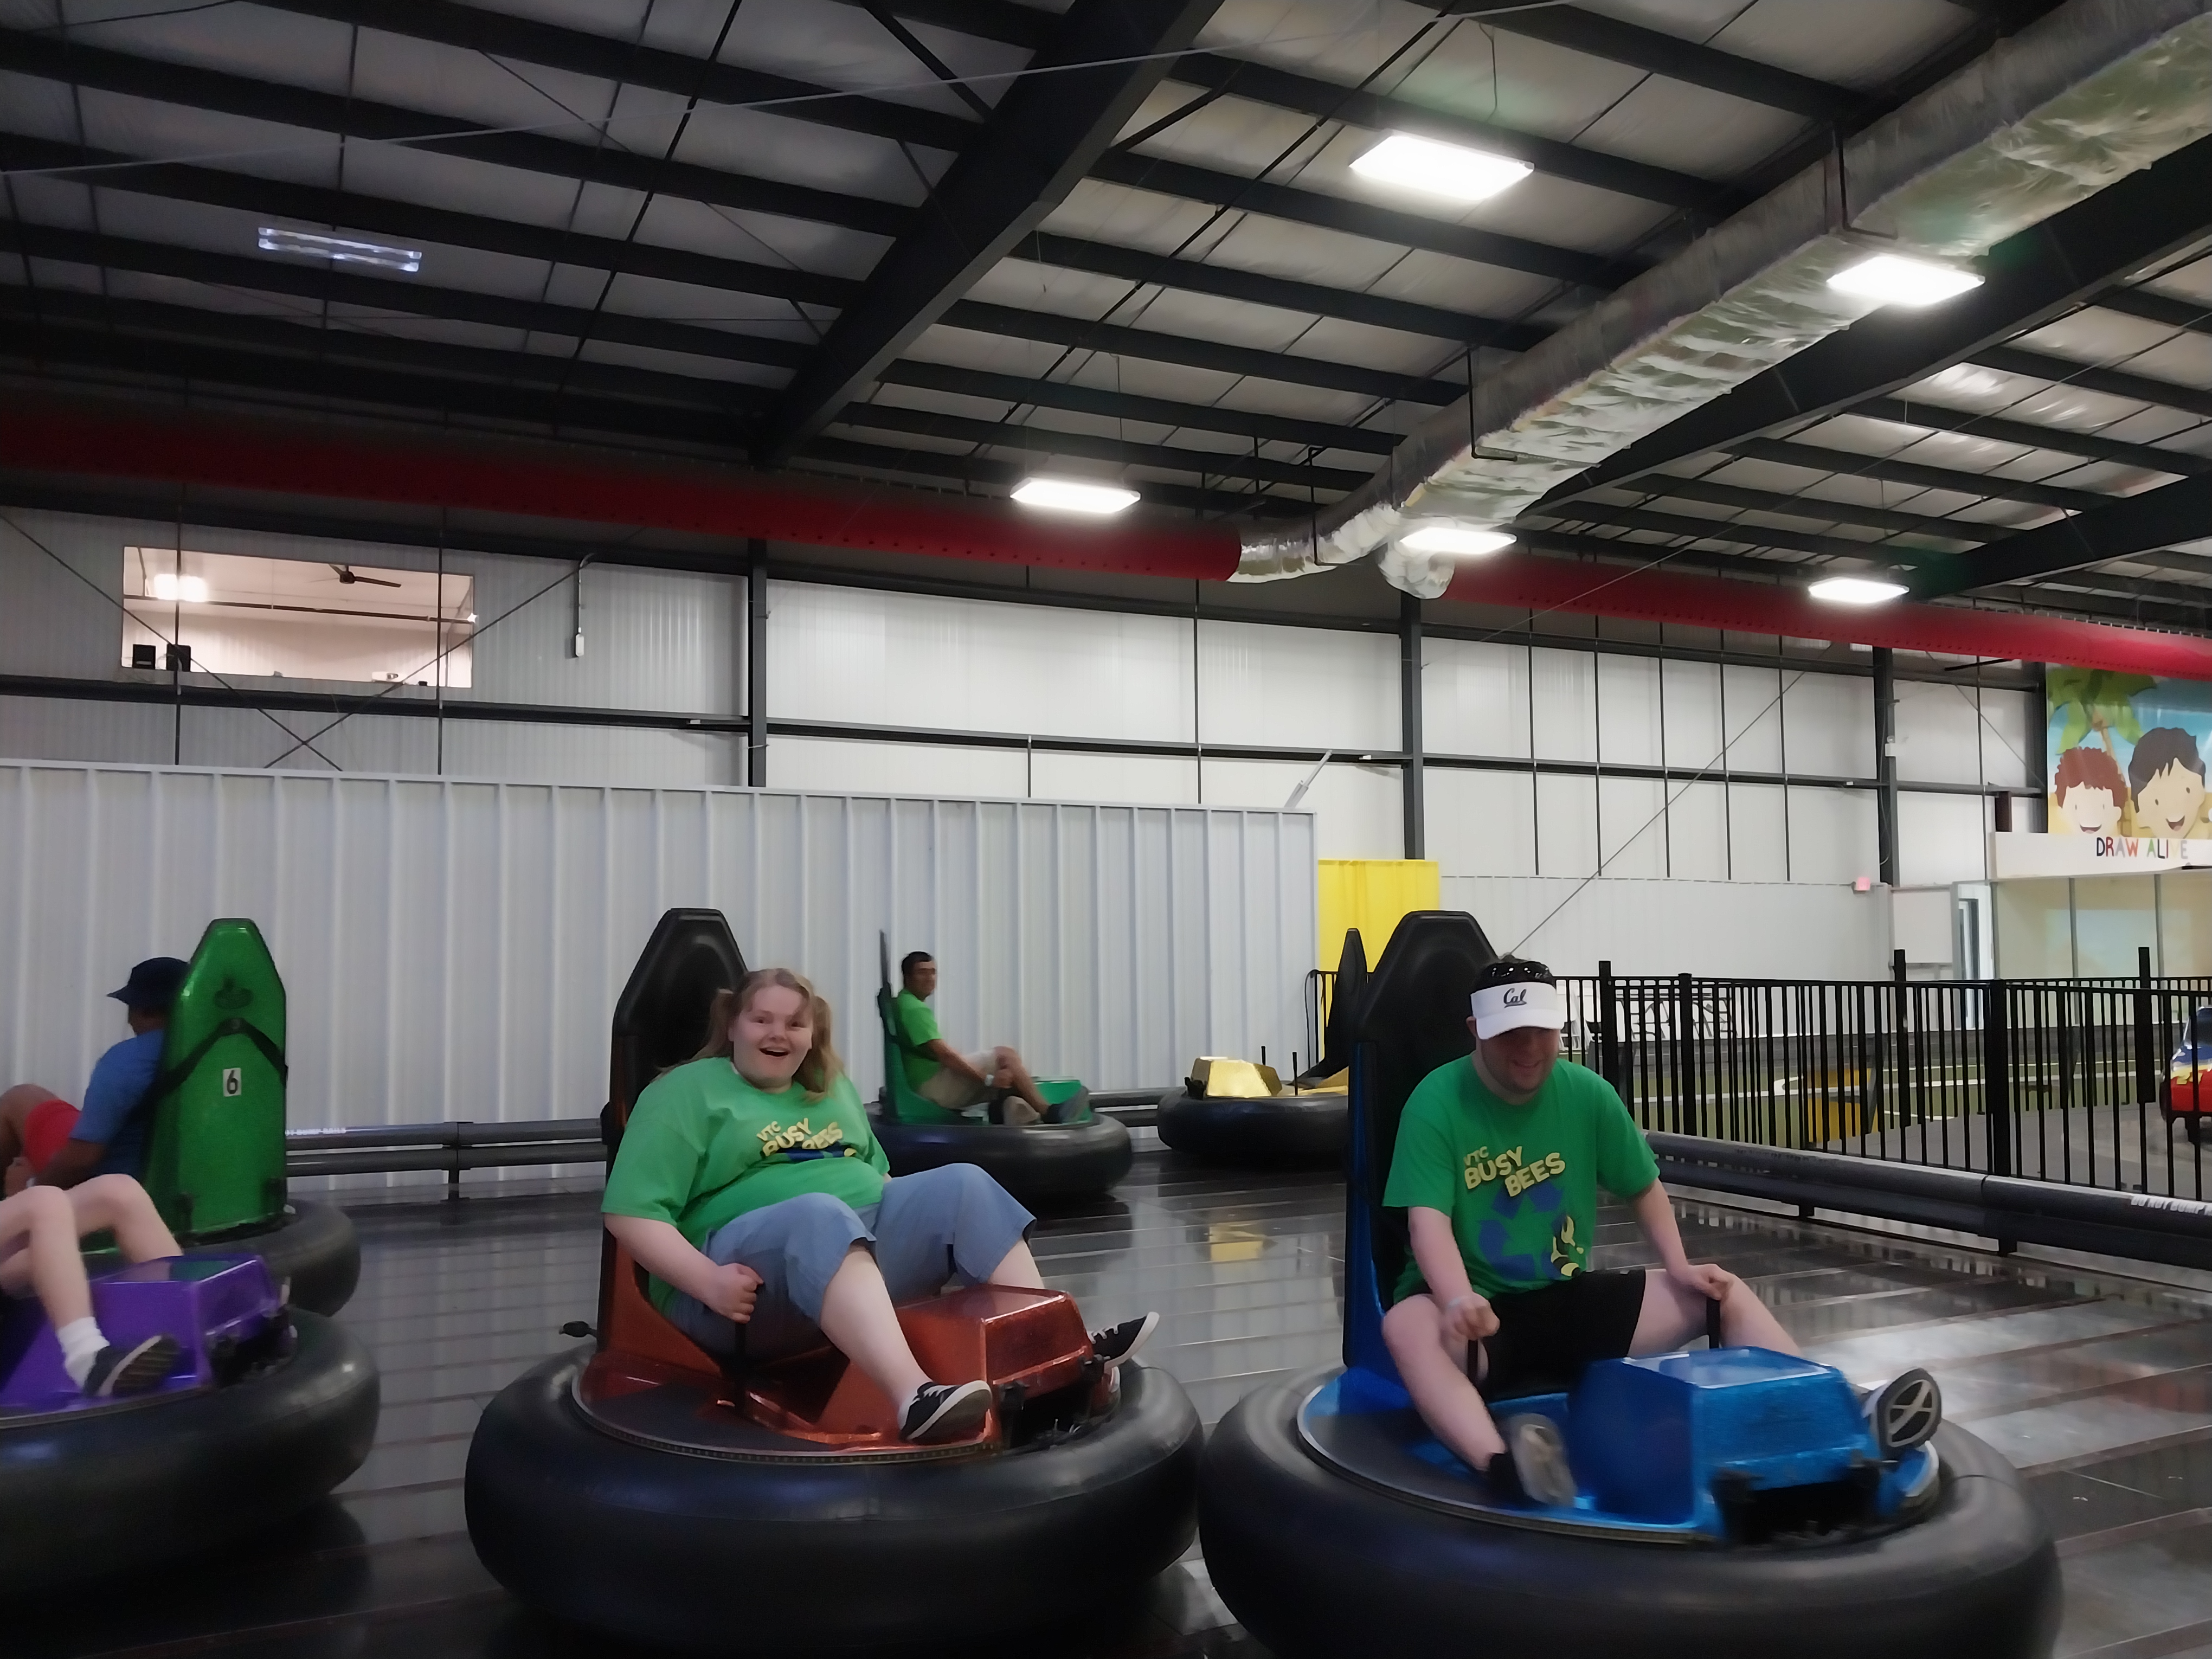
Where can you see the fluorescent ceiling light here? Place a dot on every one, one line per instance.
(1067, 496)
(1459, 540)
(1891, 279)
(340, 250)
(1453, 170)
(191, 590)
(1856, 590)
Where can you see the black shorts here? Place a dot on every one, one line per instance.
(1545, 1336)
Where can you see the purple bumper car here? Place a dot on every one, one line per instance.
(263, 1412)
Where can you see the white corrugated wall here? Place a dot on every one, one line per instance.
(454, 950)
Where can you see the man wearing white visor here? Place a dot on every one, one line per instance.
(1498, 1161)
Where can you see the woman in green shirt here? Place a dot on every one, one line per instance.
(752, 1191)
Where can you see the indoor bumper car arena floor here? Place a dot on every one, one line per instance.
(2096, 1384)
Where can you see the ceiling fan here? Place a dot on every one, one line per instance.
(348, 576)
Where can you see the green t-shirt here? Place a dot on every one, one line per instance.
(704, 1145)
(919, 1027)
(1519, 1182)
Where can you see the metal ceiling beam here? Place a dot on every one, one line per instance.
(1596, 36)
(1080, 333)
(2032, 278)
(1844, 463)
(985, 20)
(210, 367)
(1745, 535)
(278, 199)
(2089, 377)
(1102, 60)
(2152, 457)
(1284, 293)
(181, 84)
(1326, 101)
(541, 372)
(2178, 512)
(1018, 391)
(503, 34)
(2192, 315)
(1088, 446)
(330, 285)
(1362, 219)
(1668, 487)
(881, 459)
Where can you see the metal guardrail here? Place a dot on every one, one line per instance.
(394, 1148)
(2140, 1226)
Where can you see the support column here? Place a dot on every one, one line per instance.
(1885, 761)
(1409, 723)
(757, 663)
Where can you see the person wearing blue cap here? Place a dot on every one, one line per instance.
(43, 1138)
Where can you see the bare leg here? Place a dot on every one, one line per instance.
(38, 1248)
(1673, 1314)
(119, 1203)
(1019, 1268)
(857, 1317)
(1013, 1074)
(1433, 1362)
(15, 1107)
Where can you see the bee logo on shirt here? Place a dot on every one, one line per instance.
(1517, 1172)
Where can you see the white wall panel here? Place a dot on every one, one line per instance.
(1939, 736)
(1630, 710)
(2012, 737)
(1697, 832)
(1941, 839)
(663, 640)
(835, 764)
(1632, 826)
(1358, 810)
(454, 950)
(1725, 929)
(1567, 825)
(1297, 687)
(1563, 690)
(1474, 698)
(1693, 715)
(1759, 832)
(1833, 836)
(1147, 779)
(1480, 823)
(60, 600)
(906, 659)
(1828, 725)
(1753, 700)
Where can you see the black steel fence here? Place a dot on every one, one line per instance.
(2076, 1081)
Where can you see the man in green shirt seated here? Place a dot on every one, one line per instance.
(943, 1076)
(1498, 1161)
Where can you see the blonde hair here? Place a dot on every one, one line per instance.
(820, 1069)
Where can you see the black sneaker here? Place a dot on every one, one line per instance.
(945, 1411)
(1119, 1342)
(1535, 1457)
(117, 1370)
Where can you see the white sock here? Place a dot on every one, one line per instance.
(81, 1343)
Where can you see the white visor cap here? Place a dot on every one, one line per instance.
(1501, 1008)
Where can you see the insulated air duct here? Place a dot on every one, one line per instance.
(2093, 91)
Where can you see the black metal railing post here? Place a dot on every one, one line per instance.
(1685, 1118)
(1996, 1075)
(1608, 1027)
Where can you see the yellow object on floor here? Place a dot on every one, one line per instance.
(1373, 895)
(1214, 1078)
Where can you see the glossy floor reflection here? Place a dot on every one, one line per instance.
(2101, 1389)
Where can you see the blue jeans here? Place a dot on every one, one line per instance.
(953, 1223)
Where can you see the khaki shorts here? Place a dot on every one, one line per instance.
(955, 1093)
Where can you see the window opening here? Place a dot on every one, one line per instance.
(235, 615)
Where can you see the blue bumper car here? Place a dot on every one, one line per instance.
(1727, 1500)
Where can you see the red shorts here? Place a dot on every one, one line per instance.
(45, 1131)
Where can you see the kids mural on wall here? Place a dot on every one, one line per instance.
(2126, 754)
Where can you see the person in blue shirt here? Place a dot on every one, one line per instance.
(108, 1135)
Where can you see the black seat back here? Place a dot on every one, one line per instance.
(661, 1019)
(1343, 998)
(1411, 1018)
